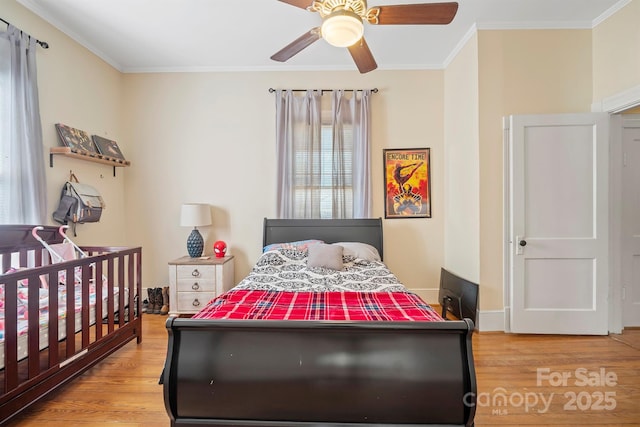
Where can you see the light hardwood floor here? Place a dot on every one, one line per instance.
(123, 389)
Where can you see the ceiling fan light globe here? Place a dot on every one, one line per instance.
(342, 28)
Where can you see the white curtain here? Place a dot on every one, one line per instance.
(22, 164)
(323, 159)
(351, 134)
(298, 134)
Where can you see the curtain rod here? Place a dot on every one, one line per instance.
(374, 90)
(44, 45)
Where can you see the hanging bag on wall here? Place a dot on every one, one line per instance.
(79, 203)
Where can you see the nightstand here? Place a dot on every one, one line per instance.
(193, 282)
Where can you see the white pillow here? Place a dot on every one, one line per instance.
(360, 250)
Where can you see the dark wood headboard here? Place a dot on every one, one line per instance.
(365, 230)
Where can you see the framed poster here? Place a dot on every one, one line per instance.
(75, 138)
(407, 183)
(106, 147)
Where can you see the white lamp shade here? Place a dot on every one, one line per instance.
(195, 215)
(342, 28)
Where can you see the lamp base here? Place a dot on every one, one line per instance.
(195, 244)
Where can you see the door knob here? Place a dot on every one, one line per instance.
(522, 242)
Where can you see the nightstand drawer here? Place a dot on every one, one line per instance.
(196, 285)
(200, 272)
(190, 302)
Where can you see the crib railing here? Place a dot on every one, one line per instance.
(60, 319)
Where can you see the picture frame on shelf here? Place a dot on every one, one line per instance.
(107, 147)
(407, 183)
(75, 138)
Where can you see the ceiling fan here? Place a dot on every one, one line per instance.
(342, 25)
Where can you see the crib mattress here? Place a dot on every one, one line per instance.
(23, 322)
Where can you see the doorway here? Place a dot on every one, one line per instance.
(624, 289)
(629, 165)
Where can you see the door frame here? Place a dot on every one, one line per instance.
(506, 222)
(613, 105)
(615, 218)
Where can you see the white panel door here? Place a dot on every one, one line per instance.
(630, 262)
(558, 181)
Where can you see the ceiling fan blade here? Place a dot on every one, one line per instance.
(417, 14)
(302, 4)
(362, 56)
(297, 45)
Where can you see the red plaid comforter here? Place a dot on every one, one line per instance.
(278, 305)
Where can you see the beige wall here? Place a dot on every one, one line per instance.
(80, 90)
(616, 53)
(462, 219)
(210, 138)
(520, 72)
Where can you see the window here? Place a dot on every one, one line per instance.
(314, 174)
(323, 155)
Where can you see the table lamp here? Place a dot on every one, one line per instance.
(194, 215)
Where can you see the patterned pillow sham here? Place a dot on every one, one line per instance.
(300, 245)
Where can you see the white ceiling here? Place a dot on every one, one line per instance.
(230, 35)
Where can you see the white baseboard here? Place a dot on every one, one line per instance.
(491, 320)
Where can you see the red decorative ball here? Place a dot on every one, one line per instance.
(219, 248)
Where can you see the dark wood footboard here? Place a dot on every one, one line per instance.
(305, 373)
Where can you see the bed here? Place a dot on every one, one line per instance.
(367, 365)
(57, 319)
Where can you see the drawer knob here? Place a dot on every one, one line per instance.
(196, 302)
(195, 273)
(195, 286)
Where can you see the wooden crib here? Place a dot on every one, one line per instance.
(54, 329)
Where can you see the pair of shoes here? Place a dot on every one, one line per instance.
(158, 300)
(155, 300)
(165, 301)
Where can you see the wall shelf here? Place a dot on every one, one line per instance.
(88, 156)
